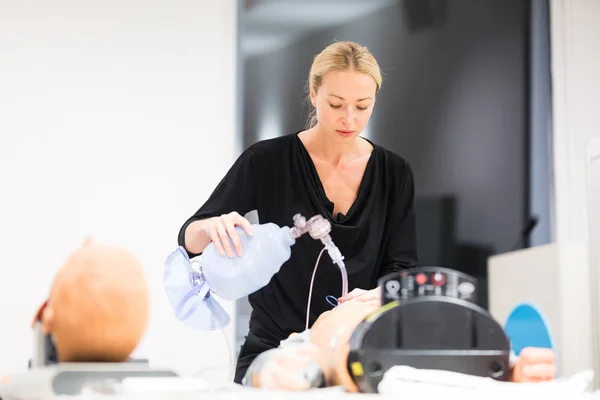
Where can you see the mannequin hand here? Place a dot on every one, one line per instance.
(221, 229)
(287, 369)
(534, 365)
(362, 295)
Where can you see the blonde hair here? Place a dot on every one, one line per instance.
(341, 56)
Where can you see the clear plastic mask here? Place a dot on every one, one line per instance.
(189, 294)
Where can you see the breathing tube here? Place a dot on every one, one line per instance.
(319, 228)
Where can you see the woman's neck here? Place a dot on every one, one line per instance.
(328, 149)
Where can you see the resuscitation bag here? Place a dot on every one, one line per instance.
(190, 291)
(264, 254)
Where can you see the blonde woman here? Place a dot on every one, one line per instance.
(366, 191)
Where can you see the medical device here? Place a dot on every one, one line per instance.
(189, 288)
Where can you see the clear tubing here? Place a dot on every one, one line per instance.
(342, 267)
(319, 228)
(337, 258)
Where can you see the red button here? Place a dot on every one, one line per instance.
(438, 279)
(421, 279)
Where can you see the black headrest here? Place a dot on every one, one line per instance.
(427, 331)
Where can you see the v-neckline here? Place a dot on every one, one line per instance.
(325, 201)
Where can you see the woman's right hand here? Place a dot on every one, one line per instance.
(221, 229)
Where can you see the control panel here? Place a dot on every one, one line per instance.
(428, 281)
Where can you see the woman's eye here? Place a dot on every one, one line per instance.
(362, 108)
(334, 106)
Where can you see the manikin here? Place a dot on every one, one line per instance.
(292, 367)
(98, 306)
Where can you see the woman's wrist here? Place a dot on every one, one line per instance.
(195, 239)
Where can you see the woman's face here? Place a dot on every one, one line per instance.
(344, 103)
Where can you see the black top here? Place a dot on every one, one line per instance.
(277, 178)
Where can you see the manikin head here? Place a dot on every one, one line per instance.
(98, 306)
(343, 82)
(331, 334)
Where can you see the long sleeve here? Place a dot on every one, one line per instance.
(235, 192)
(401, 247)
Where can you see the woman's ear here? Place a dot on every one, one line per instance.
(313, 96)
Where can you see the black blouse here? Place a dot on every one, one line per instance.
(277, 178)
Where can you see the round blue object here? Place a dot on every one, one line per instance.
(527, 327)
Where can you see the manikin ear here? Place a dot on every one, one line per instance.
(313, 96)
(38, 314)
(48, 319)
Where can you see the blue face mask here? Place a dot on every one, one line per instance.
(190, 295)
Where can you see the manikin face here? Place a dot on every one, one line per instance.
(344, 103)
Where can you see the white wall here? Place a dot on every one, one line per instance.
(575, 35)
(117, 118)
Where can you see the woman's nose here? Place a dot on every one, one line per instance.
(348, 116)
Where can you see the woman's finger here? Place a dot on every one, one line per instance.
(214, 236)
(353, 294)
(539, 372)
(537, 355)
(233, 234)
(244, 223)
(224, 239)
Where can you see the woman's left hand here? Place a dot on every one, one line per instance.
(363, 295)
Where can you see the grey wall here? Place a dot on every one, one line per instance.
(453, 103)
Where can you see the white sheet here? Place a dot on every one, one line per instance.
(398, 383)
(408, 380)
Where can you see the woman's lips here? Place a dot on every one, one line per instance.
(345, 133)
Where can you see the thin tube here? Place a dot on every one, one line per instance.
(344, 273)
(312, 281)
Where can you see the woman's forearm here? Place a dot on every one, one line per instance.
(196, 239)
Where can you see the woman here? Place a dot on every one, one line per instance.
(366, 191)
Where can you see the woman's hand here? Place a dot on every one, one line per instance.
(221, 229)
(362, 295)
(534, 365)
